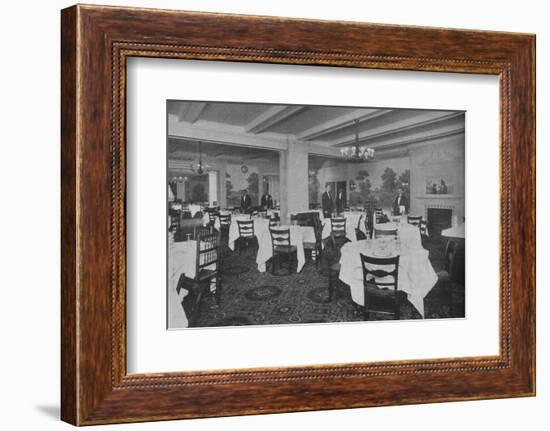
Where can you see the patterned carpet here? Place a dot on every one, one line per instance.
(253, 298)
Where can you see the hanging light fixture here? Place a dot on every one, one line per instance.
(200, 168)
(357, 153)
(179, 179)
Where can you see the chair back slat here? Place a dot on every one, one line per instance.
(338, 226)
(225, 220)
(280, 237)
(379, 216)
(372, 270)
(212, 216)
(207, 251)
(246, 228)
(414, 220)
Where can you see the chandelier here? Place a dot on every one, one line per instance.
(200, 168)
(356, 152)
(179, 179)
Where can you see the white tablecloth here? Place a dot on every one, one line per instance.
(455, 232)
(408, 234)
(352, 219)
(193, 209)
(181, 260)
(276, 213)
(298, 234)
(217, 225)
(416, 274)
(260, 225)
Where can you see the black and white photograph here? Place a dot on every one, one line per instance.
(291, 214)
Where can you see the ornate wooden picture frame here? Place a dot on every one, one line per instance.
(96, 42)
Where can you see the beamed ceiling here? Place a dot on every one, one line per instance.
(246, 127)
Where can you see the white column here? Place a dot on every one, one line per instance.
(222, 191)
(180, 190)
(212, 187)
(283, 195)
(296, 190)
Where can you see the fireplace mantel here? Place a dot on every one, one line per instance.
(432, 197)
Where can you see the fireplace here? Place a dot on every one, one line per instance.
(439, 219)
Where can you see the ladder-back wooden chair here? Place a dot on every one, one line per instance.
(316, 247)
(247, 236)
(282, 249)
(338, 230)
(414, 220)
(381, 280)
(207, 274)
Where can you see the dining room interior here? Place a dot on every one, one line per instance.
(291, 214)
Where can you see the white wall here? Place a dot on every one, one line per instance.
(30, 240)
(443, 158)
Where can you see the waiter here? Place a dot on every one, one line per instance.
(245, 202)
(327, 202)
(266, 201)
(400, 203)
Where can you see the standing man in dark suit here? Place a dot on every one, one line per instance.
(245, 202)
(266, 201)
(400, 201)
(340, 202)
(327, 202)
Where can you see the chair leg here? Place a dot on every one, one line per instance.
(196, 308)
(365, 306)
(218, 290)
(397, 307)
(319, 256)
(329, 286)
(289, 263)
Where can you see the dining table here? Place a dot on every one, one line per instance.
(416, 275)
(181, 260)
(261, 225)
(298, 235)
(458, 232)
(217, 224)
(194, 209)
(353, 219)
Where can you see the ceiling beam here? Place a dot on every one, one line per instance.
(229, 135)
(406, 125)
(182, 108)
(270, 117)
(342, 122)
(190, 112)
(418, 139)
(322, 150)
